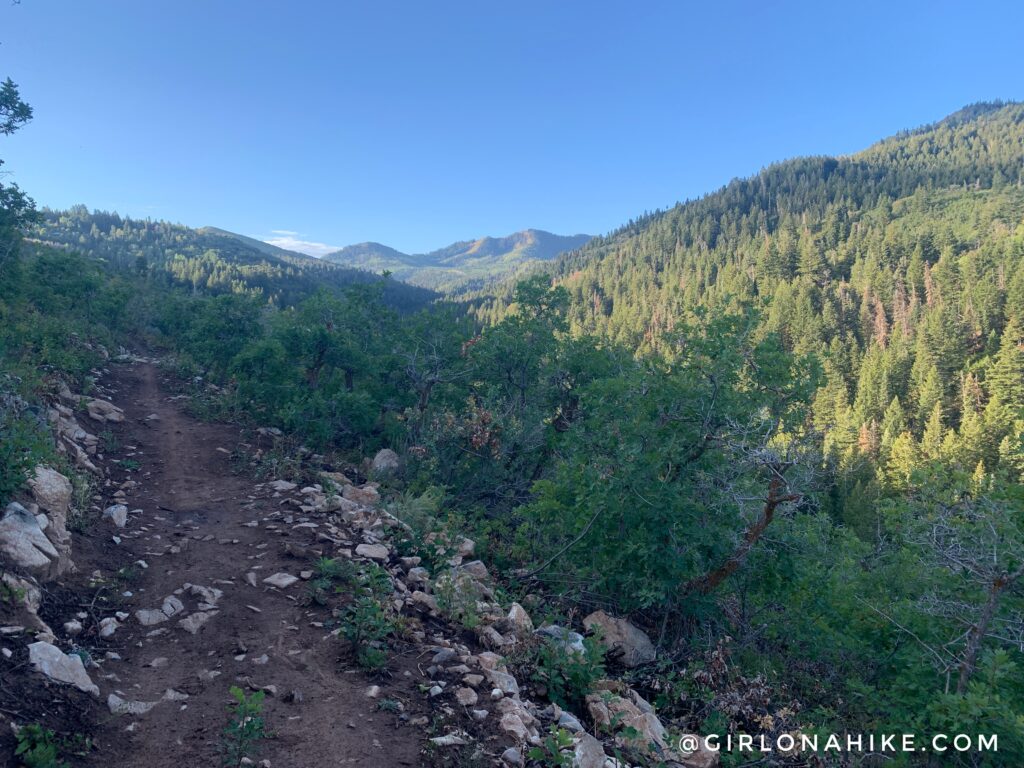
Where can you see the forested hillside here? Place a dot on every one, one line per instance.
(899, 268)
(206, 260)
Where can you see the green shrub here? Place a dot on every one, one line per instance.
(245, 729)
(567, 675)
(38, 748)
(365, 625)
(365, 622)
(549, 754)
(24, 442)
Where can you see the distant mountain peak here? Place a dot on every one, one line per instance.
(465, 262)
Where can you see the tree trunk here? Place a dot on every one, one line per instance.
(977, 634)
(712, 579)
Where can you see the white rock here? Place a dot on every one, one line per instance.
(148, 617)
(108, 626)
(417, 575)
(588, 752)
(513, 726)
(373, 551)
(59, 666)
(102, 411)
(520, 619)
(52, 492)
(503, 682)
(172, 606)
(196, 620)
(385, 461)
(23, 541)
(450, 740)
(73, 627)
(467, 697)
(119, 706)
(631, 643)
(281, 580)
(569, 640)
(117, 514)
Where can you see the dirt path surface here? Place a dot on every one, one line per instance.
(201, 535)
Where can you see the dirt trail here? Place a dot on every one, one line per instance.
(192, 531)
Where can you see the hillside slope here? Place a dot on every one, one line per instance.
(901, 268)
(208, 259)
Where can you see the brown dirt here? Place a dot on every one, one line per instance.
(193, 500)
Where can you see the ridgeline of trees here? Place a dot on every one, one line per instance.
(207, 261)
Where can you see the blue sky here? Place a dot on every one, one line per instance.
(417, 124)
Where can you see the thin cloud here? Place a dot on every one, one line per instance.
(292, 242)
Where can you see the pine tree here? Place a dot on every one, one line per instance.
(931, 440)
(1006, 377)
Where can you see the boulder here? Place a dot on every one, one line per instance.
(467, 697)
(52, 492)
(490, 637)
(281, 580)
(569, 641)
(73, 627)
(172, 606)
(417, 575)
(385, 462)
(637, 729)
(702, 757)
(520, 619)
(513, 726)
(192, 623)
(120, 706)
(30, 598)
(148, 617)
(503, 682)
(373, 551)
(23, 542)
(117, 514)
(587, 752)
(629, 643)
(477, 570)
(57, 665)
(337, 478)
(424, 601)
(103, 411)
(367, 495)
(512, 756)
(108, 627)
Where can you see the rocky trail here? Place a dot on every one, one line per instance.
(202, 548)
(191, 577)
(197, 616)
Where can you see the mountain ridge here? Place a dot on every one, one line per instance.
(481, 260)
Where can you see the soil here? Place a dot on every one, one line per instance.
(192, 530)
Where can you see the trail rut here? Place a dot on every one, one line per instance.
(192, 531)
